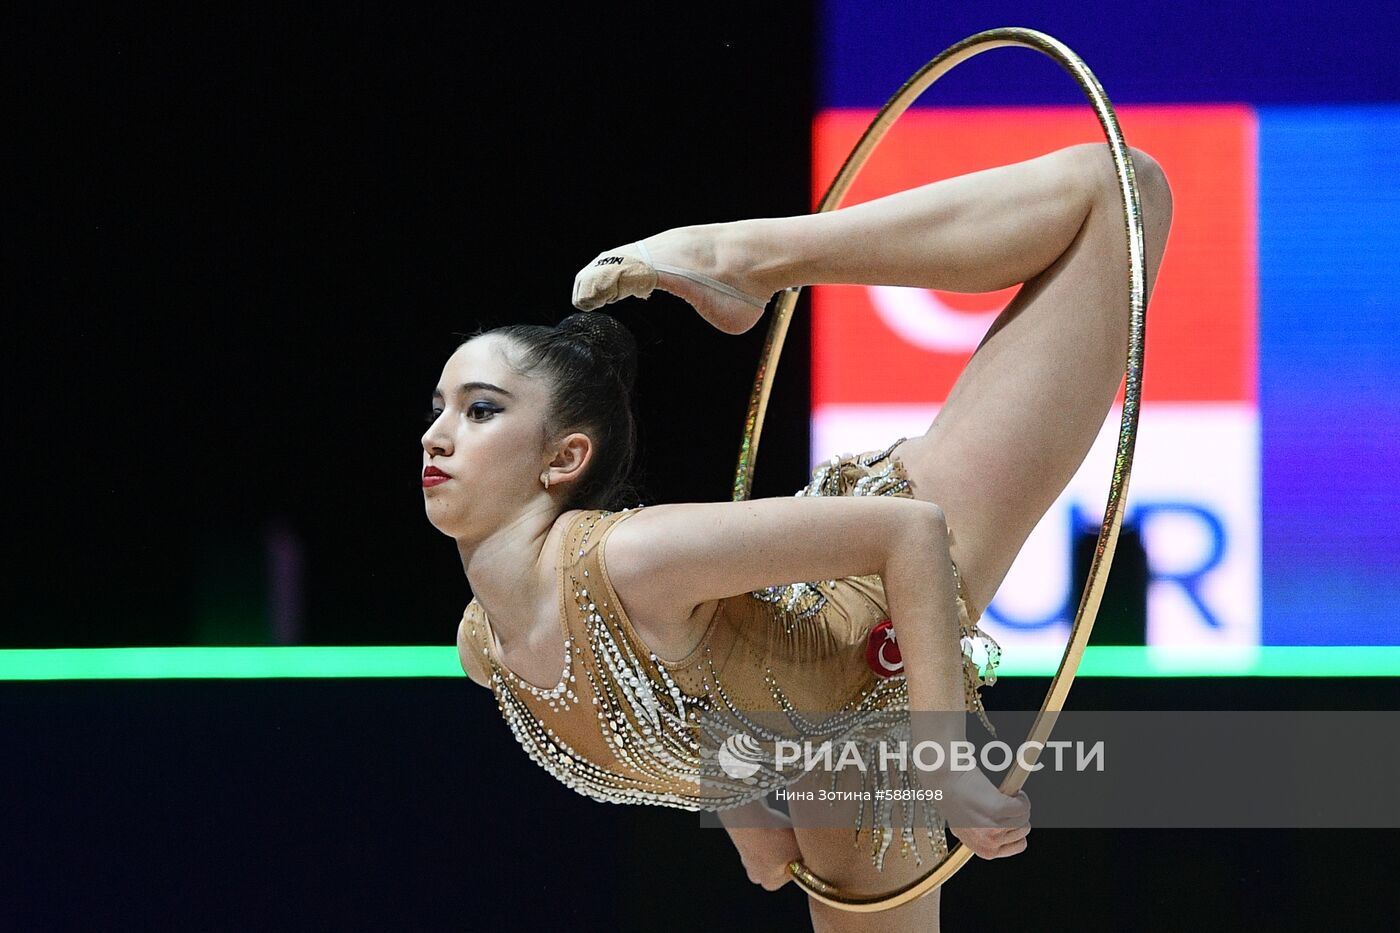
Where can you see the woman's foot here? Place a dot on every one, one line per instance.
(710, 266)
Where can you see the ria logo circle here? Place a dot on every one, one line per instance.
(740, 755)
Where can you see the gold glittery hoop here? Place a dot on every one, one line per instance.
(1127, 432)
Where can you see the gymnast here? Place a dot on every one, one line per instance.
(620, 640)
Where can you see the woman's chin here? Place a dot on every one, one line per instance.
(445, 520)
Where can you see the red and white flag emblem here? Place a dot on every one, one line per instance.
(882, 652)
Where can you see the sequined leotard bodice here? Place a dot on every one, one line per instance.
(802, 662)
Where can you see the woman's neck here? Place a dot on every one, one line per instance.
(510, 569)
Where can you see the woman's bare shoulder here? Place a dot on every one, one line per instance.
(468, 656)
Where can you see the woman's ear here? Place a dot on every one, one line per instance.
(571, 458)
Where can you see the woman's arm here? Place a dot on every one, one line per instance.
(671, 558)
(681, 555)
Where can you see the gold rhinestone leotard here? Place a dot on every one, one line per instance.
(795, 662)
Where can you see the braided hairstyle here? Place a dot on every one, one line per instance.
(590, 361)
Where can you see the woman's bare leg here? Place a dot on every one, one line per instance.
(1028, 405)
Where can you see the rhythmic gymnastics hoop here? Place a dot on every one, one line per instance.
(1127, 432)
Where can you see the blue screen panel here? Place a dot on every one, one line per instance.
(1329, 387)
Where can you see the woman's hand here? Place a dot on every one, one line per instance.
(993, 843)
(766, 852)
(765, 840)
(990, 823)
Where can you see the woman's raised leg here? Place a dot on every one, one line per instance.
(1026, 408)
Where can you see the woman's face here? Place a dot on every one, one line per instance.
(487, 436)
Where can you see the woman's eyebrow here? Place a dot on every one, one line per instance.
(468, 386)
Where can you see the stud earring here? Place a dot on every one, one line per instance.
(544, 478)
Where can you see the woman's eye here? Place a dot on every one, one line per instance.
(477, 411)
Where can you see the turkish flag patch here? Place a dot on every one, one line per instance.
(882, 652)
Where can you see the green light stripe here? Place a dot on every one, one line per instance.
(440, 661)
(163, 663)
(1267, 661)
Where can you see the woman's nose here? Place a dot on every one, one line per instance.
(435, 441)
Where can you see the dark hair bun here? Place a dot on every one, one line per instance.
(610, 342)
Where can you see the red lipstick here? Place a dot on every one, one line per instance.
(432, 476)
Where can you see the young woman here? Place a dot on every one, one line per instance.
(622, 641)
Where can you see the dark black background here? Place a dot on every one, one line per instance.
(241, 245)
(405, 804)
(237, 248)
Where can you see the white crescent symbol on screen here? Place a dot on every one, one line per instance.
(920, 317)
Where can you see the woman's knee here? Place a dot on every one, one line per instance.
(1154, 191)
(1100, 173)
